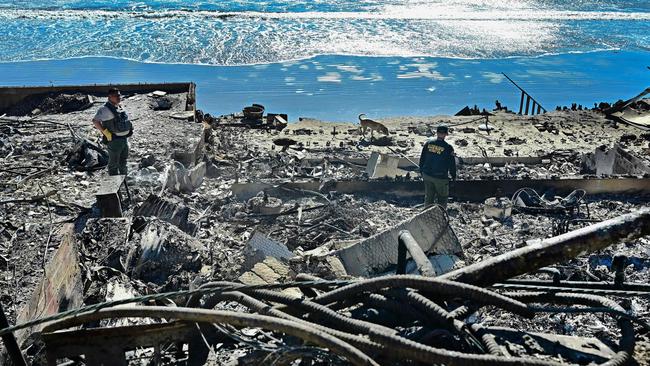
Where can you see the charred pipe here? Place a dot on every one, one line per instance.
(406, 243)
(553, 250)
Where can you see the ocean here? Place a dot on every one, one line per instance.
(334, 59)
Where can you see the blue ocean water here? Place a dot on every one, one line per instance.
(331, 58)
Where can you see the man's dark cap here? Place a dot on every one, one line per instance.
(113, 91)
(442, 129)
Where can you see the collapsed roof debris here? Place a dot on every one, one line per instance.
(248, 240)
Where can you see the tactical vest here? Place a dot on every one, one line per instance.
(119, 123)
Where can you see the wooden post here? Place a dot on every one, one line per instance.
(9, 340)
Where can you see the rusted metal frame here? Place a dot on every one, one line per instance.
(406, 243)
(545, 252)
(113, 342)
(9, 340)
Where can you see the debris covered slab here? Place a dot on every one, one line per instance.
(279, 242)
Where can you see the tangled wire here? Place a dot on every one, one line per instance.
(385, 320)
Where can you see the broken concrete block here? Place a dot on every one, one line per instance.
(498, 208)
(197, 174)
(180, 179)
(383, 165)
(270, 270)
(264, 204)
(161, 104)
(266, 273)
(618, 161)
(108, 196)
(259, 247)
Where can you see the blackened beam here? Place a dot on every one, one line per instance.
(9, 340)
(467, 190)
(538, 254)
(406, 243)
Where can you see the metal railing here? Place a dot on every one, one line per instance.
(536, 108)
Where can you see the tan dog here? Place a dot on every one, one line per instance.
(372, 125)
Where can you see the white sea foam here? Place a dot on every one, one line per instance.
(421, 12)
(436, 28)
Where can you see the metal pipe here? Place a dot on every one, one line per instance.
(553, 250)
(406, 242)
(9, 340)
(624, 289)
(550, 287)
(424, 284)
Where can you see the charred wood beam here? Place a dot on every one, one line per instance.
(549, 251)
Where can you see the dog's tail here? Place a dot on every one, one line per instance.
(362, 114)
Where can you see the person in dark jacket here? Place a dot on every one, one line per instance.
(437, 164)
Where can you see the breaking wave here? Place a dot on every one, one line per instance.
(411, 13)
(248, 32)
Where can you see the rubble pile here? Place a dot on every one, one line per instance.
(248, 240)
(52, 103)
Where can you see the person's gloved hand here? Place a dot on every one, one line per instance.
(107, 134)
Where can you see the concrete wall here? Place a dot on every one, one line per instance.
(11, 95)
(470, 190)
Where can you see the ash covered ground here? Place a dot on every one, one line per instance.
(50, 174)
